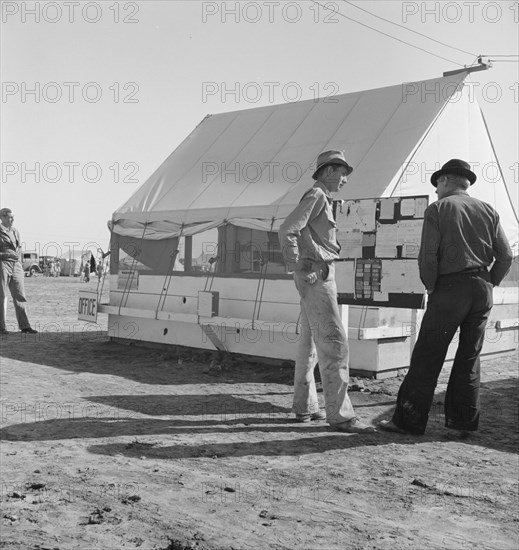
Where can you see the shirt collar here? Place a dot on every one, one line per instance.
(5, 228)
(320, 185)
(456, 192)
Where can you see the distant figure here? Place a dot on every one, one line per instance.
(99, 269)
(464, 252)
(92, 264)
(57, 268)
(86, 272)
(11, 273)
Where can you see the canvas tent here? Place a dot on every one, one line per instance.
(250, 167)
(243, 171)
(70, 267)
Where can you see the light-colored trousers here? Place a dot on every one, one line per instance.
(324, 340)
(11, 279)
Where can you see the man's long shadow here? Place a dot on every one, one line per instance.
(225, 414)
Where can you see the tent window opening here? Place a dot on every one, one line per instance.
(239, 250)
(147, 257)
(257, 261)
(243, 250)
(201, 248)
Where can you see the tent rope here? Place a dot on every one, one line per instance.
(259, 290)
(164, 293)
(363, 316)
(104, 255)
(261, 281)
(210, 274)
(127, 286)
(498, 165)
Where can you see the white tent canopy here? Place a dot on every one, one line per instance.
(251, 167)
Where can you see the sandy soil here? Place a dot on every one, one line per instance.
(112, 446)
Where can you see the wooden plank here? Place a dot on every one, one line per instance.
(211, 334)
(507, 324)
(247, 324)
(182, 317)
(129, 311)
(379, 333)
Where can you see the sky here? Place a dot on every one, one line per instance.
(96, 95)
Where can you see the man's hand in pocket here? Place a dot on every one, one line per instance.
(311, 278)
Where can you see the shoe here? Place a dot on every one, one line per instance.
(353, 426)
(390, 426)
(29, 330)
(319, 415)
(460, 434)
(4, 331)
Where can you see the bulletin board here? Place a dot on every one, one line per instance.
(380, 241)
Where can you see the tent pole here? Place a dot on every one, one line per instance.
(188, 253)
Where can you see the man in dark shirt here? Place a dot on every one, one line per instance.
(461, 237)
(309, 244)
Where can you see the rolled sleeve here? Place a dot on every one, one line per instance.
(295, 222)
(503, 257)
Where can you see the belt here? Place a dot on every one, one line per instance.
(468, 271)
(474, 270)
(316, 262)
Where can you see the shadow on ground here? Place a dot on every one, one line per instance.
(93, 352)
(224, 414)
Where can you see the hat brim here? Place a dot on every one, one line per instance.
(453, 172)
(334, 161)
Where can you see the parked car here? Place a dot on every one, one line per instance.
(31, 264)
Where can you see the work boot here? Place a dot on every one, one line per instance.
(319, 415)
(390, 426)
(353, 426)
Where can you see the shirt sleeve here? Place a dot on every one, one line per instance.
(429, 248)
(503, 256)
(295, 222)
(7, 249)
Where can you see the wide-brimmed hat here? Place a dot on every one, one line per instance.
(331, 157)
(455, 167)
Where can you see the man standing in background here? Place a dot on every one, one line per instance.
(11, 273)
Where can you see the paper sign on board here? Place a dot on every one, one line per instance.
(87, 306)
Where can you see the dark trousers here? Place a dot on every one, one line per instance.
(461, 300)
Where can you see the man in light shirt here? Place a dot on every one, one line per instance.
(11, 274)
(309, 245)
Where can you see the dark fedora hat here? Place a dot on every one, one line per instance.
(331, 157)
(455, 167)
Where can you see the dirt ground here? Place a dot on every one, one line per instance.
(112, 446)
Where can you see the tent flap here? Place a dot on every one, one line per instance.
(155, 231)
